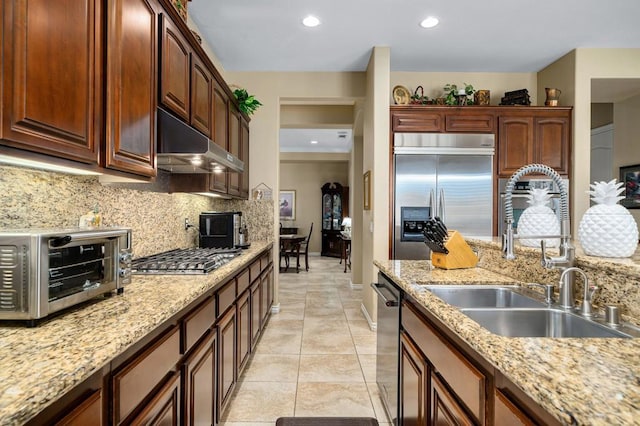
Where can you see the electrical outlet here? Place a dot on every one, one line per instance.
(187, 225)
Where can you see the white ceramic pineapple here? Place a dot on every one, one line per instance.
(538, 219)
(608, 229)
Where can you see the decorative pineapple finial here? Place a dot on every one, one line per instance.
(538, 197)
(607, 193)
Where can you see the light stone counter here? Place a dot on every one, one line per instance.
(38, 365)
(578, 381)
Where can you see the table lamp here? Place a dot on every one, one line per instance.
(346, 223)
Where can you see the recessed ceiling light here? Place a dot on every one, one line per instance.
(429, 22)
(313, 142)
(311, 21)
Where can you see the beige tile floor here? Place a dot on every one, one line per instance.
(316, 356)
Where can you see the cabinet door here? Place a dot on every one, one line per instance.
(164, 408)
(507, 413)
(515, 144)
(131, 87)
(552, 142)
(414, 381)
(175, 70)
(220, 132)
(88, 412)
(244, 330)
(234, 148)
(52, 77)
(200, 384)
(445, 410)
(255, 312)
(201, 96)
(244, 156)
(226, 358)
(266, 296)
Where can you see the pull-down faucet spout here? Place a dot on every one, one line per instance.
(566, 256)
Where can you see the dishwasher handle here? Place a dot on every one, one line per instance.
(388, 301)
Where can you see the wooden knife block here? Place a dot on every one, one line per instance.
(460, 254)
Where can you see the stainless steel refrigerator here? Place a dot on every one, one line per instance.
(449, 175)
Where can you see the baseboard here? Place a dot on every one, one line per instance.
(372, 325)
(275, 308)
(355, 286)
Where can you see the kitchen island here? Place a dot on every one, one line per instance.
(574, 380)
(40, 365)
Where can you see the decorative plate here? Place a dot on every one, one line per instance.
(401, 95)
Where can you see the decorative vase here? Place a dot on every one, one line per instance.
(553, 95)
(482, 97)
(608, 229)
(538, 219)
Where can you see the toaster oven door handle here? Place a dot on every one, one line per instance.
(83, 236)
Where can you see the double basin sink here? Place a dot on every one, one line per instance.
(514, 311)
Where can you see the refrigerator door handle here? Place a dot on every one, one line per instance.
(432, 203)
(441, 205)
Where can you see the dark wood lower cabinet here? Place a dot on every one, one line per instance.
(244, 329)
(256, 289)
(88, 412)
(445, 409)
(443, 382)
(164, 408)
(199, 373)
(226, 358)
(414, 382)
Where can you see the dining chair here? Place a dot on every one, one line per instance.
(305, 246)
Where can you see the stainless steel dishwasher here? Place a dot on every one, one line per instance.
(388, 344)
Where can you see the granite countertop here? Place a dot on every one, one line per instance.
(38, 365)
(578, 381)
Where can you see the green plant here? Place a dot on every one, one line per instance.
(451, 93)
(247, 103)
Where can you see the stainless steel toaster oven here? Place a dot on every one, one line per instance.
(44, 271)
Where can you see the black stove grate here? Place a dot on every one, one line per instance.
(184, 261)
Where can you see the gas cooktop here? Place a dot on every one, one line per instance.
(184, 261)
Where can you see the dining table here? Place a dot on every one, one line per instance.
(290, 247)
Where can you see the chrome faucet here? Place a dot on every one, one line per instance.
(586, 309)
(566, 257)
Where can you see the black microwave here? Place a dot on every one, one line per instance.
(220, 229)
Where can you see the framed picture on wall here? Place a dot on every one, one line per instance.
(287, 203)
(366, 190)
(630, 175)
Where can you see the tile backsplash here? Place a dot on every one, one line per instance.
(40, 199)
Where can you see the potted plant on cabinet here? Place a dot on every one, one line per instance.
(247, 103)
(455, 96)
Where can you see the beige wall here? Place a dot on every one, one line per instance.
(601, 114)
(497, 83)
(307, 178)
(626, 138)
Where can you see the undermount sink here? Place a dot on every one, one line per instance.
(539, 323)
(514, 311)
(485, 296)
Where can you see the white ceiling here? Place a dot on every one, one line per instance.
(473, 35)
(329, 140)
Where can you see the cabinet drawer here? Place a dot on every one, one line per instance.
(264, 260)
(243, 281)
(417, 122)
(198, 322)
(482, 123)
(255, 270)
(508, 413)
(225, 297)
(463, 378)
(132, 384)
(88, 412)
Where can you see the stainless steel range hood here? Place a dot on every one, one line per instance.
(183, 149)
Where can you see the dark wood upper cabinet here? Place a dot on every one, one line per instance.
(220, 132)
(233, 179)
(175, 70)
(201, 96)
(534, 136)
(131, 100)
(52, 84)
(244, 156)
